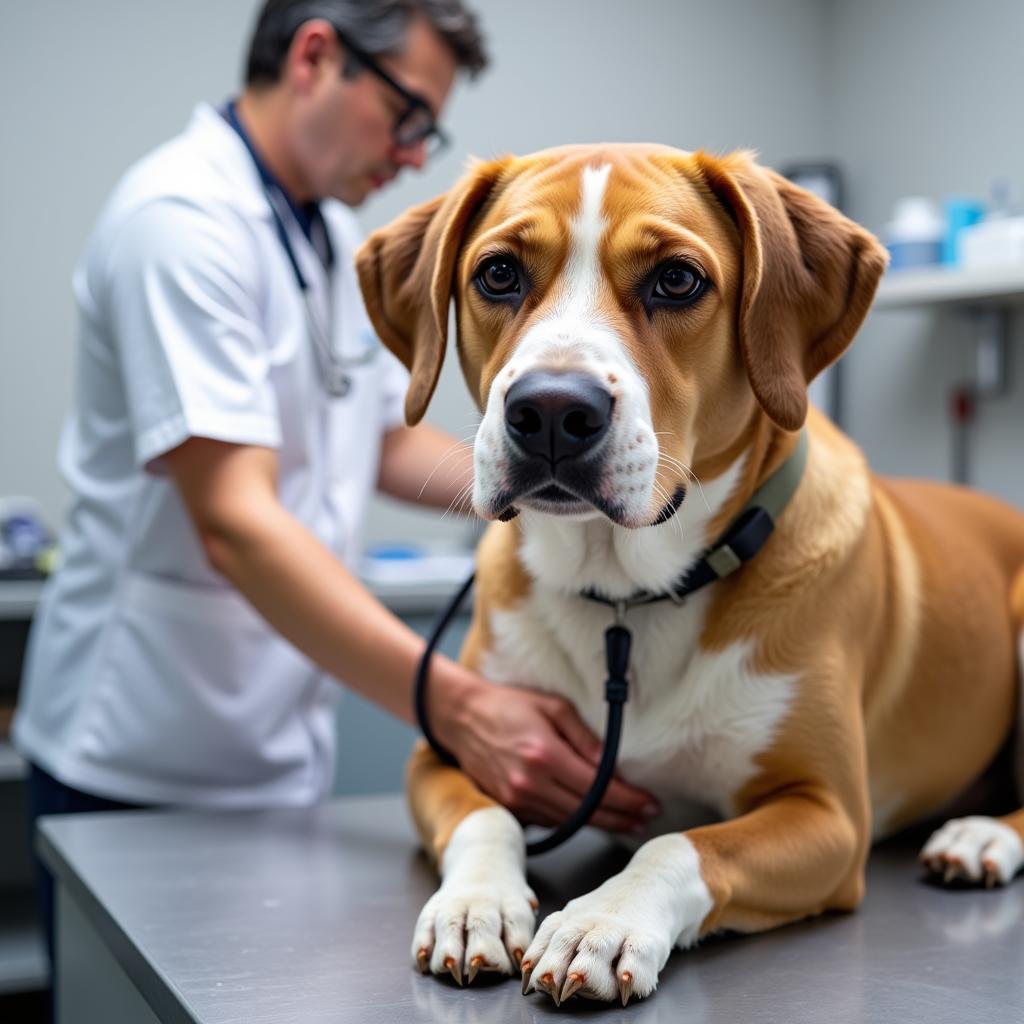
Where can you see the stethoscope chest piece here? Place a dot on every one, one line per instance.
(336, 383)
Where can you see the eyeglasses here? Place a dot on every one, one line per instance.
(416, 123)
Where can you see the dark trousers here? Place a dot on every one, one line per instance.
(46, 795)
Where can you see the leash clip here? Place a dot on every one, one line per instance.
(621, 607)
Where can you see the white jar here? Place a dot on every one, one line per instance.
(914, 235)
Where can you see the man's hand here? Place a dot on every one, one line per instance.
(532, 753)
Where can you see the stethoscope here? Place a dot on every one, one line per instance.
(335, 368)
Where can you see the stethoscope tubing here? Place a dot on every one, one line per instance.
(609, 753)
(332, 364)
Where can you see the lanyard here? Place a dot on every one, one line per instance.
(333, 366)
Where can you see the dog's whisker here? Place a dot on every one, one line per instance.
(456, 503)
(693, 476)
(662, 494)
(674, 463)
(668, 500)
(459, 499)
(455, 449)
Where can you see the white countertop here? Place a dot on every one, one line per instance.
(19, 598)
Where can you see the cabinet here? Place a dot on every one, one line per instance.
(23, 965)
(372, 751)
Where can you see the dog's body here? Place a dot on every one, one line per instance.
(854, 677)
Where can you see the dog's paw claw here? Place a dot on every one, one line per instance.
(625, 986)
(477, 964)
(453, 968)
(547, 984)
(572, 985)
(527, 968)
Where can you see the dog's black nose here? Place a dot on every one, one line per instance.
(557, 415)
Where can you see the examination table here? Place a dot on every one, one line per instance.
(306, 916)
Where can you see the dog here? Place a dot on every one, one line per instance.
(638, 326)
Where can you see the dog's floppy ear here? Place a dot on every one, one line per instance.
(809, 276)
(406, 273)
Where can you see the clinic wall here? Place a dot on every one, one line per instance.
(90, 87)
(926, 100)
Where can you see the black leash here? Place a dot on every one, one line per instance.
(744, 537)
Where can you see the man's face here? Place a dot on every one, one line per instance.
(343, 137)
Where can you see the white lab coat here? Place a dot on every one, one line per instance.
(149, 678)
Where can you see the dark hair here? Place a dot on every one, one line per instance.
(376, 26)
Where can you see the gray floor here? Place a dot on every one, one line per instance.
(307, 916)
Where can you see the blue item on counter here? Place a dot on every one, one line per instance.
(961, 212)
(395, 551)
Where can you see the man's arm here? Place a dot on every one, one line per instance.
(522, 748)
(290, 577)
(426, 466)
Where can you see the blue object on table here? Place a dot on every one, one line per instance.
(961, 212)
(394, 552)
(24, 540)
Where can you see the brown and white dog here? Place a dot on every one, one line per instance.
(631, 320)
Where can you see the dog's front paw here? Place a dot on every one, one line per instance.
(466, 928)
(483, 916)
(613, 942)
(975, 849)
(587, 950)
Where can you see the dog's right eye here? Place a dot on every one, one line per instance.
(499, 278)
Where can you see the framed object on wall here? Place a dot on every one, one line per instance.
(822, 178)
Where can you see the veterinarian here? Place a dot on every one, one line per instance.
(234, 411)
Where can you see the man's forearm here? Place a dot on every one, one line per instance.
(310, 598)
(426, 466)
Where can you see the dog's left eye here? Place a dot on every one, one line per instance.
(678, 282)
(498, 277)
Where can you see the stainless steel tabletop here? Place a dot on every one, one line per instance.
(307, 916)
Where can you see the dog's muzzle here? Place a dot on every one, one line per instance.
(555, 424)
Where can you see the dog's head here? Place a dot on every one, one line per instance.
(623, 313)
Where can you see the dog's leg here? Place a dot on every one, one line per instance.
(482, 916)
(983, 850)
(792, 857)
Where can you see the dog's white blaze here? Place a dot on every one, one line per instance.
(583, 274)
(573, 336)
(696, 720)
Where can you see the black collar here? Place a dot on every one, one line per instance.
(742, 539)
